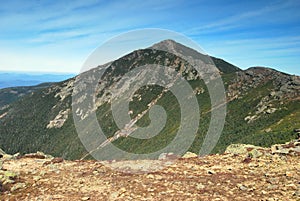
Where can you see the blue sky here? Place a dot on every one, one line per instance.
(58, 36)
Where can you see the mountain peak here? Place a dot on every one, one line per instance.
(174, 47)
(183, 51)
(167, 42)
(180, 50)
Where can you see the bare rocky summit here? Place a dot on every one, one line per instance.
(243, 172)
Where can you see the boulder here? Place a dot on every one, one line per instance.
(167, 156)
(189, 155)
(5, 156)
(255, 153)
(2, 153)
(245, 149)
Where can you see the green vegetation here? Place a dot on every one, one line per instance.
(24, 127)
(12, 94)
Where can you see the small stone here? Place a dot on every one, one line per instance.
(122, 190)
(114, 195)
(18, 186)
(16, 155)
(36, 178)
(158, 177)
(289, 174)
(292, 186)
(85, 198)
(242, 187)
(264, 192)
(200, 186)
(45, 180)
(297, 194)
(272, 187)
(211, 172)
(273, 180)
(150, 176)
(42, 173)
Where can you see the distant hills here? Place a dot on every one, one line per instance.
(263, 107)
(12, 94)
(14, 79)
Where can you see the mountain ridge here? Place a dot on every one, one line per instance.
(263, 108)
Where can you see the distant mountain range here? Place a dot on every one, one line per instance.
(15, 79)
(263, 106)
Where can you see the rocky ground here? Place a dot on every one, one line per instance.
(244, 172)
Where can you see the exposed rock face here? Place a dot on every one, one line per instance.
(59, 120)
(265, 106)
(66, 90)
(230, 176)
(285, 85)
(285, 88)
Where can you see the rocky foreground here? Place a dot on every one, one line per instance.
(243, 172)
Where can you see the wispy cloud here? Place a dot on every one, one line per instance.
(67, 31)
(236, 20)
(280, 52)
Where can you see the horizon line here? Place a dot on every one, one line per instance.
(39, 72)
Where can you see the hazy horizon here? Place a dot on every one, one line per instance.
(21, 79)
